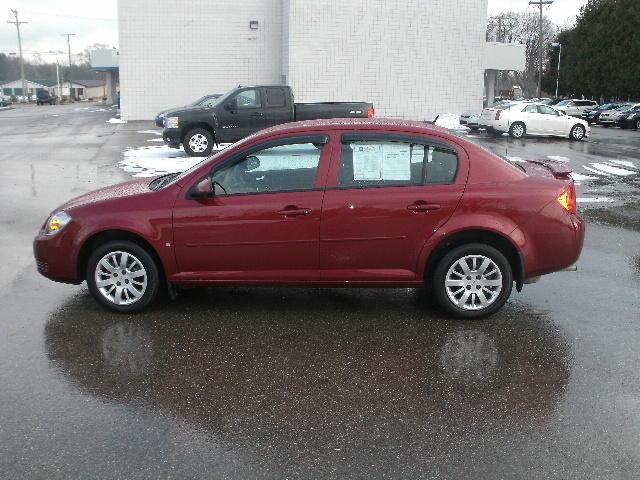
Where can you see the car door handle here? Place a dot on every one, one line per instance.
(293, 211)
(422, 207)
(258, 114)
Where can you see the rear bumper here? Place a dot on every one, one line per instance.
(171, 137)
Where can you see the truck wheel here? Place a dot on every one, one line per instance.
(198, 142)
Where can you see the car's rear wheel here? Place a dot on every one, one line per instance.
(472, 281)
(517, 130)
(122, 276)
(577, 132)
(637, 126)
(198, 142)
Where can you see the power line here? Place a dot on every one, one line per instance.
(17, 23)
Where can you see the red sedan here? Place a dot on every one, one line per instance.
(330, 203)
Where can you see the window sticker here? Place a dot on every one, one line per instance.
(396, 161)
(367, 161)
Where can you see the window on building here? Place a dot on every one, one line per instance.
(275, 169)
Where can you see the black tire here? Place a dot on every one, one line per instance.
(141, 255)
(637, 125)
(440, 276)
(517, 130)
(473, 128)
(577, 132)
(605, 125)
(206, 140)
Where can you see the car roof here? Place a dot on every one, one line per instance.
(375, 124)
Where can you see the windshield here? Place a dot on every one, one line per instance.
(622, 108)
(563, 103)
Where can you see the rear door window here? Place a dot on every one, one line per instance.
(378, 163)
(276, 98)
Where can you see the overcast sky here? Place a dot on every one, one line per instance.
(94, 21)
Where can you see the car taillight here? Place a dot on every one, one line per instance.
(371, 113)
(498, 114)
(568, 199)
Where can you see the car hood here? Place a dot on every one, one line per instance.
(177, 111)
(121, 190)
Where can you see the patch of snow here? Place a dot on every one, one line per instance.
(515, 159)
(450, 121)
(116, 120)
(621, 172)
(624, 163)
(593, 170)
(155, 140)
(558, 158)
(578, 177)
(150, 132)
(595, 200)
(156, 160)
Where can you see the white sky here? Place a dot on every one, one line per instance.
(95, 21)
(563, 12)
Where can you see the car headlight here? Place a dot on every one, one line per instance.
(171, 122)
(56, 222)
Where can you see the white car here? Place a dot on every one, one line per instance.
(575, 108)
(522, 119)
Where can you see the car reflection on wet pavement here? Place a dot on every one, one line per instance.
(368, 375)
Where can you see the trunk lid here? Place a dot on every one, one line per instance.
(547, 168)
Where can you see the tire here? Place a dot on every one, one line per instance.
(577, 133)
(449, 272)
(198, 142)
(111, 272)
(517, 130)
(637, 126)
(473, 128)
(605, 125)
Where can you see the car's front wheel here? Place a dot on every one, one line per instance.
(577, 132)
(517, 130)
(198, 142)
(472, 281)
(122, 276)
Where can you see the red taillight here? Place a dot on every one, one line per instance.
(568, 199)
(498, 114)
(371, 113)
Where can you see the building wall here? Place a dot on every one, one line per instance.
(412, 58)
(173, 51)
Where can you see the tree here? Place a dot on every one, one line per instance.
(599, 55)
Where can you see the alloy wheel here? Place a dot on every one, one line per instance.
(518, 130)
(578, 132)
(121, 278)
(473, 282)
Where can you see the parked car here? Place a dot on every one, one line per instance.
(532, 119)
(630, 118)
(609, 117)
(208, 101)
(592, 115)
(470, 119)
(43, 96)
(5, 101)
(245, 110)
(575, 108)
(329, 203)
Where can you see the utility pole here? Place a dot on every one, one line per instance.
(68, 35)
(540, 3)
(17, 23)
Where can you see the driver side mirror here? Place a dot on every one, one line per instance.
(203, 189)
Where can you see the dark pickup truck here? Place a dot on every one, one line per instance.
(245, 110)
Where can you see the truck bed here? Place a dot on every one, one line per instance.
(314, 111)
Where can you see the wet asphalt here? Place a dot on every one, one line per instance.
(310, 383)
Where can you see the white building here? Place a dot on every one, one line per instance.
(411, 58)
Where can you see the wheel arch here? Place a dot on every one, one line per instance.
(477, 235)
(202, 125)
(99, 238)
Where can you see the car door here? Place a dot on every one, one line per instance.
(263, 223)
(278, 107)
(555, 122)
(386, 195)
(531, 117)
(242, 115)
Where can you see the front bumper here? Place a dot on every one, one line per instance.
(57, 257)
(171, 137)
(160, 121)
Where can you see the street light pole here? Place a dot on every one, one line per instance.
(554, 45)
(68, 35)
(17, 23)
(540, 3)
